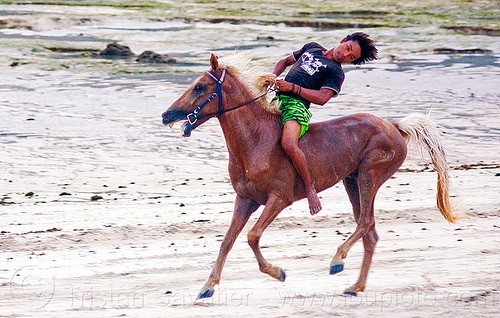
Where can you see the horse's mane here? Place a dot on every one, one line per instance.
(252, 77)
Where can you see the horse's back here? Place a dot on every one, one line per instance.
(340, 145)
(351, 131)
(353, 121)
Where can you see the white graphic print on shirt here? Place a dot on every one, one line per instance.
(310, 64)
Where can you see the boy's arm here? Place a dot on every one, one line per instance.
(319, 97)
(314, 96)
(283, 64)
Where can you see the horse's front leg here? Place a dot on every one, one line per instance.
(273, 207)
(243, 208)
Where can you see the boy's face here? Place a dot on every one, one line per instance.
(347, 51)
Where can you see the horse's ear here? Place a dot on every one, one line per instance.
(214, 62)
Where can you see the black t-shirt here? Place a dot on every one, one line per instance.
(314, 71)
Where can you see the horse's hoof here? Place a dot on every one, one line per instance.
(337, 268)
(207, 293)
(282, 276)
(350, 292)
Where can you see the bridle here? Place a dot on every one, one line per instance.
(193, 117)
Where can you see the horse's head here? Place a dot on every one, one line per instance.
(204, 99)
(200, 102)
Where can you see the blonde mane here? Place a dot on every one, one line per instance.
(252, 77)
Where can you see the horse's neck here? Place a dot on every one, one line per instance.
(250, 130)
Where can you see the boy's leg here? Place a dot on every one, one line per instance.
(290, 143)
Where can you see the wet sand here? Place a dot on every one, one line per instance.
(105, 212)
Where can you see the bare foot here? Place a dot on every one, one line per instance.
(314, 203)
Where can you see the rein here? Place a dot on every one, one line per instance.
(193, 117)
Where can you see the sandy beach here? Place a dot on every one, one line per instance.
(105, 212)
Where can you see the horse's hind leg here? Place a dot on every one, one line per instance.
(243, 209)
(362, 190)
(273, 207)
(369, 240)
(351, 186)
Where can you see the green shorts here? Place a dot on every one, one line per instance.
(294, 109)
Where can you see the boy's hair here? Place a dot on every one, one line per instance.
(368, 49)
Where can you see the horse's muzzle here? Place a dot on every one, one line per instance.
(171, 116)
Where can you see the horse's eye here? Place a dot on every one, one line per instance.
(198, 88)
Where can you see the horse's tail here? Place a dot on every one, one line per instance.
(421, 133)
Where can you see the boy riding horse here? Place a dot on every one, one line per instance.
(315, 77)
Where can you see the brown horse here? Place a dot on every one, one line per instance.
(361, 150)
